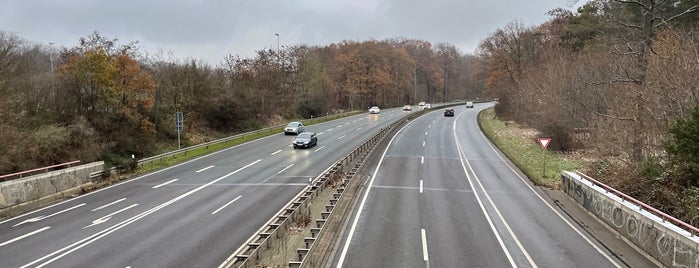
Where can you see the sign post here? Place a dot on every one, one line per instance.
(544, 142)
(178, 125)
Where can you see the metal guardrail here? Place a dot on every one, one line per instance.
(184, 151)
(250, 250)
(33, 171)
(665, 217)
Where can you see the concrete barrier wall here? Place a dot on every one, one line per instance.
(665, 242)
(18, 191)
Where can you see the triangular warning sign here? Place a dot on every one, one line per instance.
(544, 142)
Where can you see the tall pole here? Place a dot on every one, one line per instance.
(51, 55)
(415, 84)
(277, 44)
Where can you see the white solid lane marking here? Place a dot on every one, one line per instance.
(163, 184)
(35, 219)
(24, 236)
(480, 204)
(422, 159)
(341, 137)
(109, 216)
(420, 186)
(549, 205)
(204, 169)
(278, 151)
(224, 206)
(107, 205)
(90, 239)
(321, 147)
(345, 248)
(287, 167)
(424, 245)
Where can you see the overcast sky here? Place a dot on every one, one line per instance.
(210, 29)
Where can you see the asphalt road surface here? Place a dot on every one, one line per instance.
(194, 214)
(443, 196)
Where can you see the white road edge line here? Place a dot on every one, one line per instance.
(420, 186)
(24, 236)
(110, 204)
(424, 245)
(35, 219)
(131, 180)
(90, 239)
(361, 205)
(321, 147)
(163, 184)
(278, 151)
(224, 206)
(549, 205)
(204, 169)
(480, 202)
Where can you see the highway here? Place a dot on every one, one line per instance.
(194, 214)
(443, 196)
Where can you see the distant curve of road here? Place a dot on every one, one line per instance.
(194, 214)
(443, 196)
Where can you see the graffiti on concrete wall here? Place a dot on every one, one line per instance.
(666, 246)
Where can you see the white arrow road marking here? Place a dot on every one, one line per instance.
(163, 184)
(90, 239)
(107, 217)
(107, 205)
(44, 217)
(24, 236)
(204, 169)
(224, 206)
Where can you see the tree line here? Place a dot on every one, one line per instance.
(618, 81)
(106, 100)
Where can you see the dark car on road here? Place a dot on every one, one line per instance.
(305, 140)
(449, 112)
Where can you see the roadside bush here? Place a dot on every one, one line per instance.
(651, 168)
(683, 148)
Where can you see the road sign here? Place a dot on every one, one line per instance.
(544, 142)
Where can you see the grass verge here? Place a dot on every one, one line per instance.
(524, 150)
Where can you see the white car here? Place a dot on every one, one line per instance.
(469, 104)
(374, 110)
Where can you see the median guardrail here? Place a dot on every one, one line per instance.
(258, 246)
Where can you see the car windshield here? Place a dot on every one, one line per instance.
(304, 136)
(293, 124)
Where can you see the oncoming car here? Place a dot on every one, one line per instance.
(305, 140)
(374, 110)
(469, 104)
(407, 108)
(293, 128)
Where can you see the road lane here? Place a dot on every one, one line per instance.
(475, 210)
(173, 225)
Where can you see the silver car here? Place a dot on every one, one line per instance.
(293, 128)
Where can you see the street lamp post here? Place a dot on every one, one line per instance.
(277, 44)
(51, 55)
